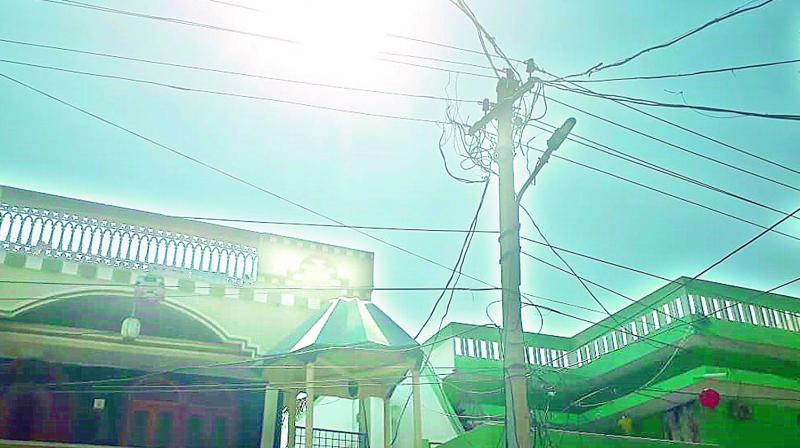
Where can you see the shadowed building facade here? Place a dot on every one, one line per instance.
(72, 373)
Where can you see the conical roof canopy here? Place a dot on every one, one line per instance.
(347, 322)
(350, 342)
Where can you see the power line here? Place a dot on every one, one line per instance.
(731, 253)
(687, 150)
(664, 192)
(236, 5)
(691, 131)
(653, 103)
(730, 69)
(233, 72)
(599, 260)
(655, 167)
(566, 263)
(462, 256)
(249, 361)
(224, 93)
(191, 23)
(441, 45)
(705, 137)
(89, 6)
(261, 288)
(740, 10)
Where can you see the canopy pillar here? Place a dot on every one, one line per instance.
(271, 419)
(417, 409)
(310, 405)
(387, 421)
(291, 419)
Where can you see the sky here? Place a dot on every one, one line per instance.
(365, 170)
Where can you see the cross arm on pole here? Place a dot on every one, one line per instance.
(492, 114)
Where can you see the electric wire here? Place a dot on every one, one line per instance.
(275, 38)
(248, 361)
(706, 137)
(653, 103)
(459, 264)
(566, 263)
(730, 69)
(740, 10)
(728, 255)
(691, 131)
(664, 193)
(613, 152)
(223, 93)
(230, 72)
(693, 152)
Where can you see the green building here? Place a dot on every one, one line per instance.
(635, 378)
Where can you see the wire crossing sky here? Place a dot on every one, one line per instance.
(375, 170)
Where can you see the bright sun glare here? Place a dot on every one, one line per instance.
(333, 33)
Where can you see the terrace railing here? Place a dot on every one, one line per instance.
(329, 438)
(96, 240)
(660, 317)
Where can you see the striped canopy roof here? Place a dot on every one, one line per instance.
(351, 342)
(347, 323)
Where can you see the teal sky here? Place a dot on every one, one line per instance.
(373, 171)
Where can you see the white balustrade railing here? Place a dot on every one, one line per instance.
(95, 240)
(673, 312)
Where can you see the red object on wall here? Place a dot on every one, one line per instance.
(709, 398)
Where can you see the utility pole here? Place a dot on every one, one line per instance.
(517, 416)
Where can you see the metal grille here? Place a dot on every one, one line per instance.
(328, 438)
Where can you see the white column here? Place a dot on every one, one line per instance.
(268, 422)
(417, 409)
(309, 405)
(387, 422)
(291, 420)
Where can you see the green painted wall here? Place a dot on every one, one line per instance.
(769, 426)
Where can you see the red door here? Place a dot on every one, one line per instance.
(154, 424)
(203, 418)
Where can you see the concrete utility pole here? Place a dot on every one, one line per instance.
(517, 416)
